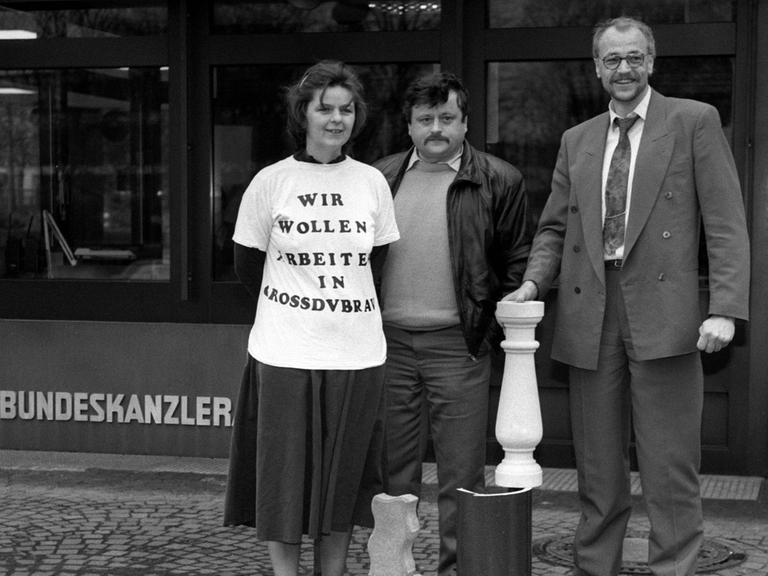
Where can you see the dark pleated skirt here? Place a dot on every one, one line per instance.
(307, 453)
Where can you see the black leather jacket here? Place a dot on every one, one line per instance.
(487, 235)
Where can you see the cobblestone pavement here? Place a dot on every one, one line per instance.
(97, 522)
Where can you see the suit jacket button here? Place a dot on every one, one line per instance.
(666, 234)
(661, 277)
(574, 209)
(668, 195)
(577, 290)
(577, 248)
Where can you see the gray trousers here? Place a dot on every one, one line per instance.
(435, 368)
(660, 400)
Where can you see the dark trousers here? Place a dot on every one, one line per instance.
(436, 366)
(661, 400)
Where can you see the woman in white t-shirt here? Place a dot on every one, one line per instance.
(307, 443)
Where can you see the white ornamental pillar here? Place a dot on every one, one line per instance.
(518, 421)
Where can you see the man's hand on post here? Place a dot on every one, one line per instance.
(715, 333)
(527, 291)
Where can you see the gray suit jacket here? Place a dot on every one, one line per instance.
(684, 175)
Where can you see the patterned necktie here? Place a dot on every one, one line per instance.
(616, 189)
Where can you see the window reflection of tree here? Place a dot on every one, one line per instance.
(553, 13)
(19, 175)
(92, 22)
(537, 102)
(292, 16)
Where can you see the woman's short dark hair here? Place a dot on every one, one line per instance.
(433, 90)
(323, 75)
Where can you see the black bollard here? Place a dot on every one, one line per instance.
(494, 532)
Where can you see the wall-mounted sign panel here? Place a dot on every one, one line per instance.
(128, 388)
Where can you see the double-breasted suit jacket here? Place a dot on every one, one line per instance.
(685, 177)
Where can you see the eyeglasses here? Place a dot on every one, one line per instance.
(634, 60)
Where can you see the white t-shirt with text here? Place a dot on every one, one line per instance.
(317, 306)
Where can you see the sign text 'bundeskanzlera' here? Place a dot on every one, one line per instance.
(116, 408)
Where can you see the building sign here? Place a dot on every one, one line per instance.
(170, 409)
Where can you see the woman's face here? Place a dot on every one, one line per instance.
(330, 120)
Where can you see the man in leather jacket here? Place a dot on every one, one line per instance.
(464, 245)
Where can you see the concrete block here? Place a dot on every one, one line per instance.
(390, 546)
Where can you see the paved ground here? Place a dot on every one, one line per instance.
(97, 515)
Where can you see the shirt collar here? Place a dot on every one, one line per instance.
(303, 156)
(454, 163)
(640, 110)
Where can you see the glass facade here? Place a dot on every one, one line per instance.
(552, 13)
(22, 21)
(290, 16)
(83, 173)
(129, 131)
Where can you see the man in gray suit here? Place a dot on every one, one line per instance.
(630, 191)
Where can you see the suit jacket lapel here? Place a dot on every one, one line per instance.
(653, 157)
(590, 193)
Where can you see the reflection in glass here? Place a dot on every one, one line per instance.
(82, 22)
(530, 105)
(289, 16)
(546, 13)
(83, 174)
(249, 132)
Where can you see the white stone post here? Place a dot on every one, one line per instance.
(390, 545)
(518, 421)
